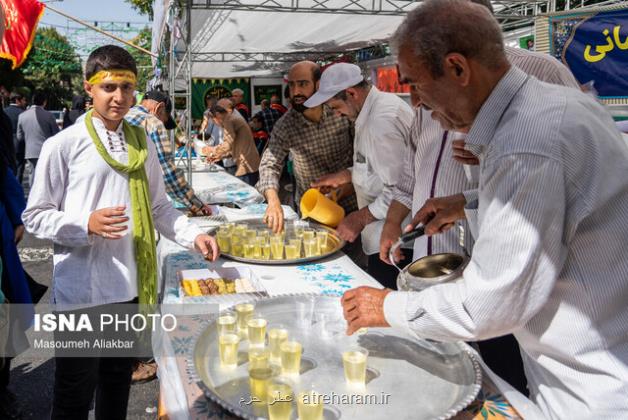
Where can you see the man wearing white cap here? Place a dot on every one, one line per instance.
(382, 124)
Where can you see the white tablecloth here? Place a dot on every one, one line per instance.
(221, 187)
(332, 276)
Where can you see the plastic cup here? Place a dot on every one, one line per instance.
(354, 362)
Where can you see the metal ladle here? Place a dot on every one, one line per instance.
(405, 238)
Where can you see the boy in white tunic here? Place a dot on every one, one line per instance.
(92, 179)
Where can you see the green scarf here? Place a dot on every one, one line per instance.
(143, 231)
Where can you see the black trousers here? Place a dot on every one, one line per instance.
(251, 178)
(5, 370)
(503, 356)
(76, 379)
(384, 273)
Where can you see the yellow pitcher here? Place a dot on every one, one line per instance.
(319, 207)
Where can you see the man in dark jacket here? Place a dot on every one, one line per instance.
(16, 107)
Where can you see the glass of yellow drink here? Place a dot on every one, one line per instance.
(265, 234)
(259, 358)
(308, 234)
(228, 350)
(280, 398)
(322, 237)
(249, 250)
(259, 244)
(266, 252)
(226, 324)
(224, 240)
(310, 405)
(244, 312)
(354, 362)
(257, 331)
(276, 247)
(291, 252)
(310, 247)
(251, 234)
(259, 378)
(297, 244)
(240, 229)
(290, 357)
(276, 336)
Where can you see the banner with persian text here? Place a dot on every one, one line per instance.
(595, 47)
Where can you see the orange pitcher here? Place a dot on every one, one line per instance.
(321, 208)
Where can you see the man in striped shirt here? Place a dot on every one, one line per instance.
(548, 264)
(431, 172)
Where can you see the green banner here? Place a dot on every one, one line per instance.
(527, 42)
(220, 88)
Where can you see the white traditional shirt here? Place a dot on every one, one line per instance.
(549, 263)
(379, 147)
(71, 181)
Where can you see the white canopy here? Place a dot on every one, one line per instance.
(263, 32)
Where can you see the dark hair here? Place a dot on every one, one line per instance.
(342, 95)
(109, 57)
(316, 73)
(39, 98)
(217, 109)
(17, 96)
(485, 3)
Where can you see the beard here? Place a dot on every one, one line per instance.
(300, 105)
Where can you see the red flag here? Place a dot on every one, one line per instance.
(21, 18)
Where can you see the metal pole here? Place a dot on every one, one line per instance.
(52, 9)
(171, 76)
(188, 97)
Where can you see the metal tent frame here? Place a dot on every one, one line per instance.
(512, 15)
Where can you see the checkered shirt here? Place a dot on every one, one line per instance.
(176, 185)
(317, 149)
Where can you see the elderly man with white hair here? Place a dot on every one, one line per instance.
(548, 263)
(237, 96)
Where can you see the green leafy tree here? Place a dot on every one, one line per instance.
(53, 67)
(143, 60)
(143, 6)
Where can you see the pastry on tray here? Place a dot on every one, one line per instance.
(216, 286)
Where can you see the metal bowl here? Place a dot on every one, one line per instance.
(431, 270)
(336, 242)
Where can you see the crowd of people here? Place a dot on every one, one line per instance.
(500, 141)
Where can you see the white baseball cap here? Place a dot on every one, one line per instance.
(334, 80)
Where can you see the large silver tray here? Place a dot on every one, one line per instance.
(423, 380)
(337, 242)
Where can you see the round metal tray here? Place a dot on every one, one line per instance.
(406, 378)
(289, 228)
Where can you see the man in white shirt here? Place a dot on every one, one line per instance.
(99, 195)
(382, 125)
(436, 168)
(548, 263)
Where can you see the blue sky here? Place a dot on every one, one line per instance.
(90, 11)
